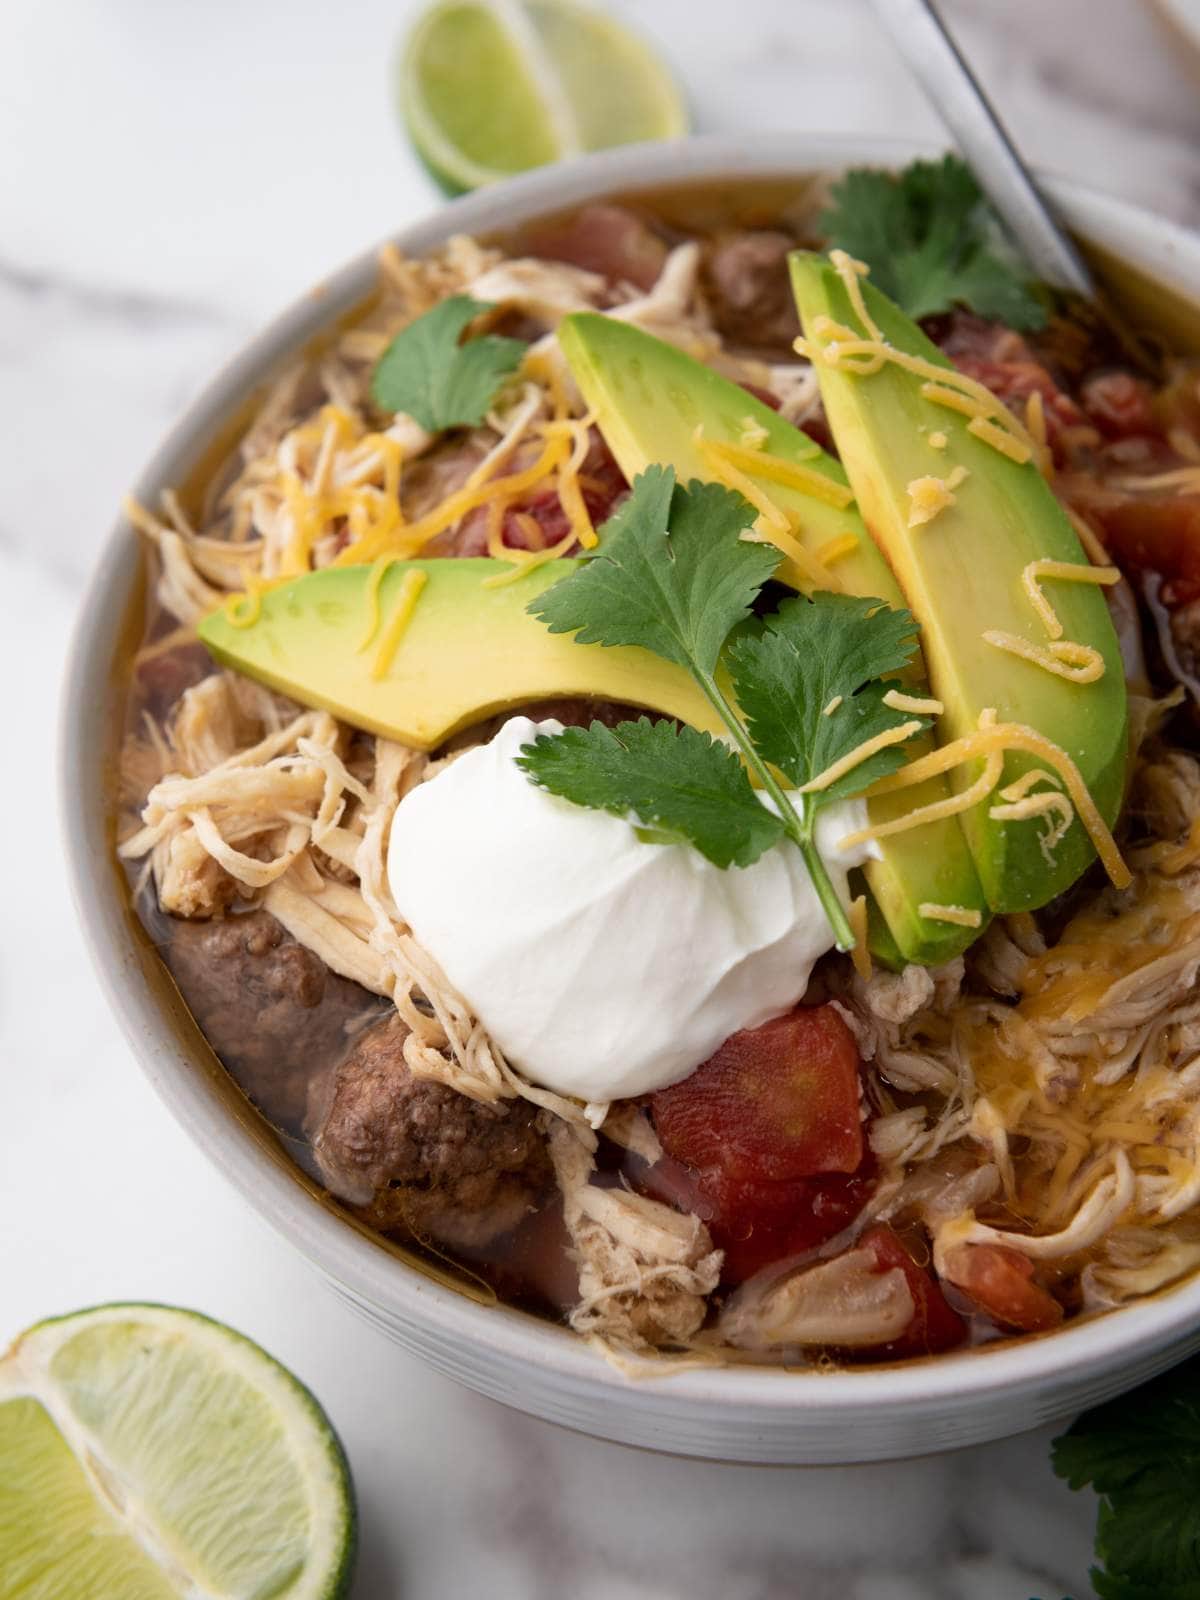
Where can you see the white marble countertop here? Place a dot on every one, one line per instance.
(169, 174)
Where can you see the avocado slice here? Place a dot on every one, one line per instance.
(469, 650)
(961, 575)
(648, 399)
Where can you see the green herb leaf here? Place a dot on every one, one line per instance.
(672, 574)
(1141, 1453)
(680, 783)
(932, 242)
(428, 374)
(812, 655)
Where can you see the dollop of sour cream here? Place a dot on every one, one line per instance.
(603, 966)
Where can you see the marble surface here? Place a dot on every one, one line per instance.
(169, 174)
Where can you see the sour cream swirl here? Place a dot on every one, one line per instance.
(601, 965)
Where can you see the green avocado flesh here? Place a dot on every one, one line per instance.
(960, 575)
(648, 399)
(469, 649)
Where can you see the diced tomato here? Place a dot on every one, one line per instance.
(1000, 1281)
(762, 1223)
(773, 1103)
(759, 1223)
(1147, 531)
(935, 1325)
(1119, 404)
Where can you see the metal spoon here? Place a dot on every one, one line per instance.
(921, 38)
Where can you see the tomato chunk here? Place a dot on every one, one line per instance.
(774, 1103)
(759, 1223)
(935, 1325)
(1000, 1281)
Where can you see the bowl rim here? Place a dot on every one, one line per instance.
(1161, 1327)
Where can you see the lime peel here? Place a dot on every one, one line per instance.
(493, 87)
(213, 1472)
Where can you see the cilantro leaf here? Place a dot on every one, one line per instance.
(1141, 1453)
(428, 374)
(682, 783)
(811, 654)
(672, 574)
(932, 242)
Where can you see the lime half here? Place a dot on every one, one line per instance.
(493, 87)
(148, 1453)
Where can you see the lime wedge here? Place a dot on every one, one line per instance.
(493, 87)
(148, 1453)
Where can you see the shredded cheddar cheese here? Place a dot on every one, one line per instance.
(856, 757)
(753, 435)
(938, 440)
(1046, 803)
(771, 518)
(852, 272)
(406, 602)
(243, 610)
(374, 579)
(1088, 538)
(776, 470)
(1077, 663)
(1000, 439)
(801, 568)
(416, 535)
(920, 706)
(570, 495)
(961, 916)
(1069, 572)
(860, 954)
(842, 544)
(833, 705)
(936, 810)
(990, 419)
(1027, 781)
(990, 741)
(926, 497)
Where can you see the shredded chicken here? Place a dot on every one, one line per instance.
(644, 1270)
(846, 1301)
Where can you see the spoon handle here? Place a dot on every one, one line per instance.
(918, 33)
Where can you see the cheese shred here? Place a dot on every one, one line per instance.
(990, 742)
(1067, 571)
(863, 752)
(860, 955)
(1077, 663)
(406, 602)
(790, 474)
(961, 916)
(917, 704)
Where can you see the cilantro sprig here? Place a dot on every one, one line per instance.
(429, 374)
(674, 576)
(1141, 1454)
(932, 242)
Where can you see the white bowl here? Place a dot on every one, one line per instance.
(741, 1414)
